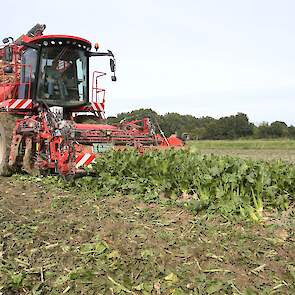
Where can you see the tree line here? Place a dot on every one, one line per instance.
(230, 127)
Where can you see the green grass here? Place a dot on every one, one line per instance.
(280, 144)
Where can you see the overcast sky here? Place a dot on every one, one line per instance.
(199, 57)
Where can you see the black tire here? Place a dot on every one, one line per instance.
(7, 124)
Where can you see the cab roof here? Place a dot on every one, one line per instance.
(60, 38)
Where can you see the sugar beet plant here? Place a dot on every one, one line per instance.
(220, 183)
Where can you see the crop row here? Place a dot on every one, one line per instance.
(224, 184)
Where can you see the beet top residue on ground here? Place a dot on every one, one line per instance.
(163, 223)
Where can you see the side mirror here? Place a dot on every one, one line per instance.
(8, 70)
(112, 65)
(5, 40)
(113, 69)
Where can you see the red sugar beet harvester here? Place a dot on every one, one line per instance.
(45, 106)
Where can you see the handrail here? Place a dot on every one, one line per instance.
(98, 94)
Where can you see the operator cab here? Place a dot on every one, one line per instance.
(58, 70)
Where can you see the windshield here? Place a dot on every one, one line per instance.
(63, 76)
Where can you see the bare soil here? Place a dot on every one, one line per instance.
(57, 241)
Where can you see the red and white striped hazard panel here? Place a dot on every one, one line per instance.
(98, 107)
(18, 104)
(84, 159)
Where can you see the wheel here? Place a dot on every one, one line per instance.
(7, 124)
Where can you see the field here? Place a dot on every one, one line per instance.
(254, 149)
(246, 144)
(163, 223)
